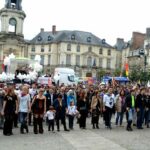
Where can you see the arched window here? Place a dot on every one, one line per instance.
(89, 61)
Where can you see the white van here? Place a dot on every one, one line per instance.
(64, 76)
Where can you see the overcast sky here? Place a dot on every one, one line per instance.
(107, 19)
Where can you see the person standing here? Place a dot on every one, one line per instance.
(50, 114)
(10, 107)
(108, 104)
(140, 108)
(120, 106)
(95, 109)
(130, 108)
(147, 108)
(82, 108)
(1, 106)
(39, 109)
(24, 108)
(60, 106)
(33, 92)
(72, 112)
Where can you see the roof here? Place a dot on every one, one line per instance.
(81, 37)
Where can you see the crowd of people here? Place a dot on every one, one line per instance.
(24, 105)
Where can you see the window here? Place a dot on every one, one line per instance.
(42, 59)
(69, 47)
(78, 48)
(108, 63)
(33, 48)
(100, 62)
(90, 49)
(72, 37)
(89, 61)
(32, 57)
(39, 38)
(42, 48)
(49, 48)
(109, 52)
(78, 60)
(89, 39)
(71, 78)
(49, 59)
(49, 38)
(100, 51)
(68, 59)
(94, 62)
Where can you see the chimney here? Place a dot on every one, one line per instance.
(54, 29)
(148, 32)
(42, 29)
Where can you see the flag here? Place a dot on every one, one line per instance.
(127, 69)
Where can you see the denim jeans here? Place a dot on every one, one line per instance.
(119, 117)
(140, 117)
(23, 119)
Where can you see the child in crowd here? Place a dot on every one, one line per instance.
(72, 112)
(50, 114)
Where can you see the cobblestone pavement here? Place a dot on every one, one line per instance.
(90, 139)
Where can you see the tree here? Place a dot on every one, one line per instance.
(100, 74)
(117, 72)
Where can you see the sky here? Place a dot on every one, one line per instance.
(107, 19)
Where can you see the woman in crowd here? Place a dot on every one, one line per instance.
(120, 107)
(10, 107)
(39, 109)
(24, 108)
(82, 108)
(95, 109)
(108, 104)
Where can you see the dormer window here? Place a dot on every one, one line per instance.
(72, 37)
(49, 38)
(103, 41)
(89, 39)
(39, 38)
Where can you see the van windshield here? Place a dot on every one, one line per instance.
(71, 78)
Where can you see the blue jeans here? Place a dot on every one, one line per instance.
(23, 120)
(119, 117)
(140, 117)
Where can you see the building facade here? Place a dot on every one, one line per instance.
(82, 51)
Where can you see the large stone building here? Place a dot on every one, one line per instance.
(11, 34)
(79, 50)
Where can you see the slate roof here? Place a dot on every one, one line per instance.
(80, 37)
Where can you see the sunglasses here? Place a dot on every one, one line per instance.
(41, 91)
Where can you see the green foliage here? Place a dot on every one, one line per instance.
(101, 73)
(137, 74)
(117, 73)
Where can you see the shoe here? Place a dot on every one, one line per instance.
(97, 126)
(58, 130)
(129, 129)
(66, 130)
(134, 124)
(93, 127)
(8, 134)
(147, 126)
(140, 128)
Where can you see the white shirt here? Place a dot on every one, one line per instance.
(50, 114)
(23, 102)
(109, 100)
(72, 110)
(32, 92)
